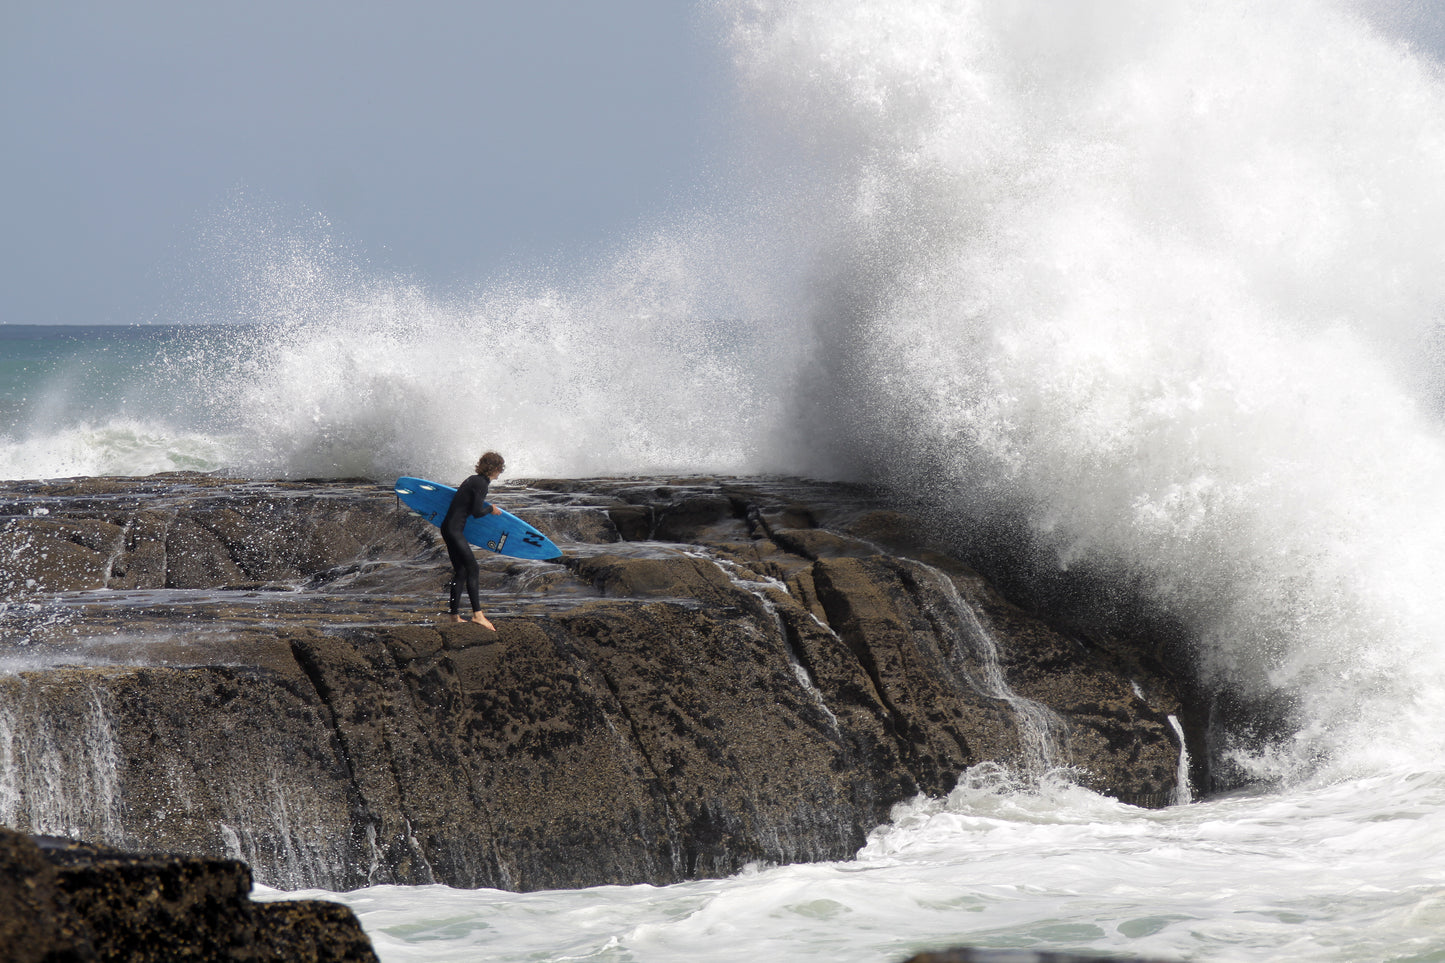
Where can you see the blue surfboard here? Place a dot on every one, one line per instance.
(505, 534)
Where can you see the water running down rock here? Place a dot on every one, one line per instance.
(259, 671)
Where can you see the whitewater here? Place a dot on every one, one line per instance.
(1155, 288)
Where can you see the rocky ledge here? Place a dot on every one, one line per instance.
(717, 672)
(68, 902)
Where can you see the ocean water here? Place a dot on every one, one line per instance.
(1346, 872)
(1155, 286)
(108, 399)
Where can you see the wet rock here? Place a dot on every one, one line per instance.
(62, 900)
(59, 555)
(310, 931)
(971, 955)
(37, 923)
(935, 709)
(718, 673)
(679, 576)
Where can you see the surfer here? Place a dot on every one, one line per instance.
(470, 501)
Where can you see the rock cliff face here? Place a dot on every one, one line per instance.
(716, 673)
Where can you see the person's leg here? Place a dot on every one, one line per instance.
(464, 567)
(474, 576)
(459, 555)
(456, 590)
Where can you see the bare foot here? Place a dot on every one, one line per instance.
(457, 618)
(482, 620)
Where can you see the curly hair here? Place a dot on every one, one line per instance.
(490, 462)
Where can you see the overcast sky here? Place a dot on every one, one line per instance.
(445, 139)
(440, 139)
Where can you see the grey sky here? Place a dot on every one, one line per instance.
(442, 139)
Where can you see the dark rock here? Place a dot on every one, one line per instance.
(677, 577)
(142, 908)
(719, 673)
(970, 955)
(60, 555)
(310, 931)
(62, 900)
(37, 922)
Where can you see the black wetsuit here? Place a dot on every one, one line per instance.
(470, 501)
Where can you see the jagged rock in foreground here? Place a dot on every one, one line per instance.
(718, 673)
(62, 901)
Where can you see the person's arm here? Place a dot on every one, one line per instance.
(486, 507)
